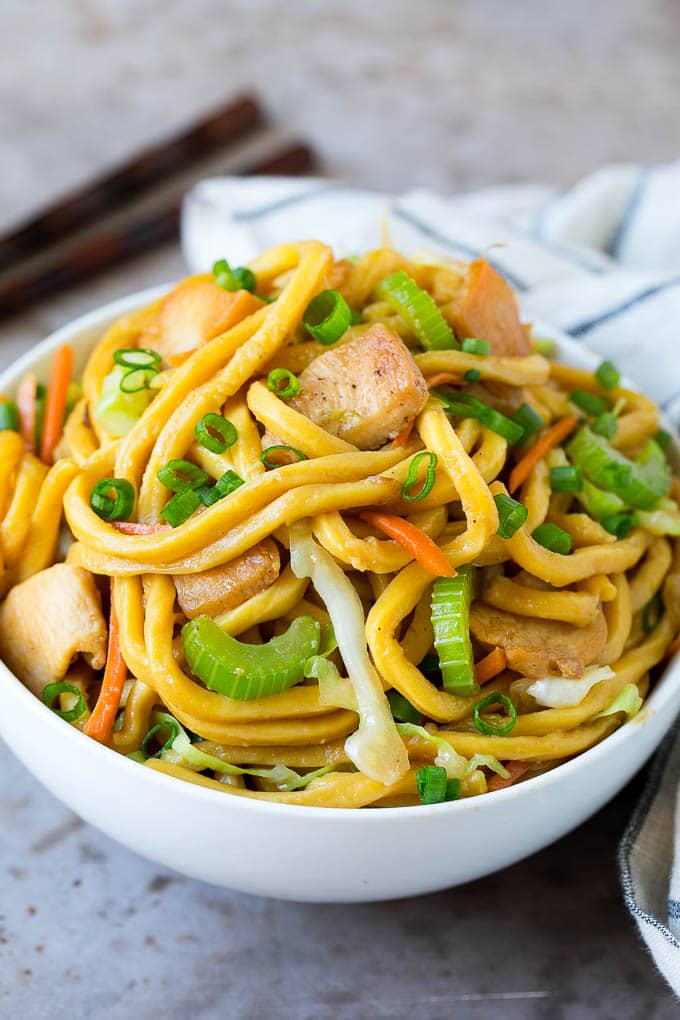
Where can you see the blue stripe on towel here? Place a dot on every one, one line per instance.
(598, 320)
(635, 200)
(674, 909)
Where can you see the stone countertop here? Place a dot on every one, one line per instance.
(434, 94)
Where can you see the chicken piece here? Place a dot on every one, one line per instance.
(221, 588)
(193, 313)
(365, 391)
(486, 307)
(536, 648)
(46, 621)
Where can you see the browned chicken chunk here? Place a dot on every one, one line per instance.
(365, 391)
(486, 307)
(536, 648)
(48, 620)
(227, 586)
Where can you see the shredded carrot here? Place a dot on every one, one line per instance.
(490, 666)
(100, 724)
(55, 404)
(139, 528)
(404, 436)
(25, 399)
(415, 541)
(175, 360)
(443, 379)
(553, 437)
(516, 770)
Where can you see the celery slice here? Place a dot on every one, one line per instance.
(451, 600)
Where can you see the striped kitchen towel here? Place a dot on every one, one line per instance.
(602, 263)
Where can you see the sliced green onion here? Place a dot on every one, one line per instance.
(464, 405)
(618, 524)
(495, 698)
(356, 317)
(412, 477)
(53, 691)
(472, 375)
(451, 600)
(454, 789)
(545, 346)
(9, 416)
(209, 494)
(589, 402)
(327, 317)
(169, 726)
(639, 483)
(178, 475)
(264, 456)
(230, 279)
(553, 538)
(528, 420)
(119, 412)
(136, 357)
(662, 438)
(652, 613)
(112, 499)
(402, 710)
(608, 375)
(511, 515)
(244, 671)
(137, 379)
(566, 479)
(431, 781)
(606, 425)
(40, 400)
(180, 507)
(418, 310)
(228, 483)
(215, 433)
(283, 375)
(471, 345)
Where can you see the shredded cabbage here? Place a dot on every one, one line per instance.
(334, 690)
(628, 701)
(447, 757)
(557, 692)
(477, 761)
(375, 747)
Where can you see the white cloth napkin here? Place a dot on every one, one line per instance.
(602, 263)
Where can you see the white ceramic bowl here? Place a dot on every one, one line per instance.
(312, 853)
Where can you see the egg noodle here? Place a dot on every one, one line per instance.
(562, 627)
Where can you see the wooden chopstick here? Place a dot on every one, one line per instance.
(220, 129)
(65, 267)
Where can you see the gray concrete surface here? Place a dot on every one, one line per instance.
(393, 94)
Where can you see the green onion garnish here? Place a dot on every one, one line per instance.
(546, 347)
(418, 310)
(589, 402)
(527, 419)
(464, 405)
(357, 316)
(431, 782)
(283, 375)
(618, 524)
(511, 515)
(553, 538)
(112, 499)
(605, 425)
(215, 433)
(663, 438)
(137, 379)
(169, 726)
(608, 375)
(472, 375)
(327, 317)
(209, 494)
(402, 710)
(495, 698)
(264, 456)
(451, 600)
(454, 789)
(413, 476)
(180, 507)
(9, 416)
(178, 475)
(230, 279)
(652, 613)
(566, 479)
(471, 345)
(136, 357)
(52, 691)
(228, 483)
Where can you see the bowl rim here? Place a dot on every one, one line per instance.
(660, 699)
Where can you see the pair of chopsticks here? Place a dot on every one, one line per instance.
(136, 206)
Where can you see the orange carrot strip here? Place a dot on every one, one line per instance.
(490, 666)
(443, 379)
(516, 770)
(415, 541)
(100, 724)
(553, 437)
(26, 396)
(139, 528)
(404, 436)
(55, 404)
